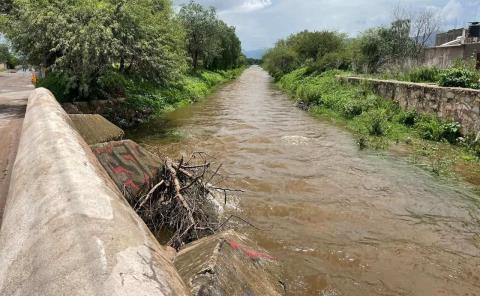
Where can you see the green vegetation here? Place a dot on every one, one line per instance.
(211, 43)
(7, 57)
(306, 64)
(382, 49)
(373, 118)
(377, 123)
(139, 50)
(459, 75)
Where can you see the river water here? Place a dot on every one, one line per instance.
(341, 221)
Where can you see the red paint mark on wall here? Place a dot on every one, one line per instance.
(107, 149)
(129, 157)
(129, 183)
(146, 178)
(252, 254)
(121, 170)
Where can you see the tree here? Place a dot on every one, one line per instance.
(314, 45)
(230, 51)
(4, 53)
(280, 60)
(201, 26)
(84, 39)
(6, 6)
(424, 23)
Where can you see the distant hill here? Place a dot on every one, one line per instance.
(255, 54)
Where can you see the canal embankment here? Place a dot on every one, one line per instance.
(67, 229)
(434, 127)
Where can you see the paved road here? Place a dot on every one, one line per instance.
(14, 91)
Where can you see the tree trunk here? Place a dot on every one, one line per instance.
(195, 60)
(122, 64)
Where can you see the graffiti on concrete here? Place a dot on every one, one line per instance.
(131, 167)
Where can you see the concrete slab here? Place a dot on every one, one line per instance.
(94, 128)
(229, 264)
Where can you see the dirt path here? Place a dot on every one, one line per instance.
(14, 91)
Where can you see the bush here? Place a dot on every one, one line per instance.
(211, 78)
(280, 61)
(332, 60)
(459, 77)
(374, 123)
(352, 108)
(408, 118)
(59, 85)
(112, 85)
(424, 74)
(377, 122)
(430, 128)
(451, 131)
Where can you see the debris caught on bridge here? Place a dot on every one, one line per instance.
(184, 200)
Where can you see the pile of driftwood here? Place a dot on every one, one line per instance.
(184, 201)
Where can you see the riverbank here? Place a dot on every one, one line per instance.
(335, 217)
(132, 101)
(378, 123)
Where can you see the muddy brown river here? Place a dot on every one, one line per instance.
(341, 221)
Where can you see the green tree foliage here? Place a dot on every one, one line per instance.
(84, 39)
(7, 57)
(211, 44)
(316, 50)
(230, 54)
(280, 60)
(390, 46)
(4, 53)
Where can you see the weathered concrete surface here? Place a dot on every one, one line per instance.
(452, 103)
(14, 91)
(228, 264)
(95, 128)
(115, 110)
(129, 165)
(67, 230)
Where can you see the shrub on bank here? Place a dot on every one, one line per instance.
(459, 77)
(58, 84)
(424, 74)
(370, 116)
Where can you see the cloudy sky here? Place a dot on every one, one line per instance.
(260, 23)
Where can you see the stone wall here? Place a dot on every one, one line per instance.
(457, 104)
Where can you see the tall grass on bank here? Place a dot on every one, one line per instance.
(144, 98)
(375, 120)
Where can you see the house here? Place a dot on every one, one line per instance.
(463, 44)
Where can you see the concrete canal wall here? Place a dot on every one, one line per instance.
(67, 230)
(451, 103)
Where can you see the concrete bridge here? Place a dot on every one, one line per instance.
(66, 228)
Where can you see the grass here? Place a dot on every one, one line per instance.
(147, 95)
(378, 123)
(144, 99)
(461, 74)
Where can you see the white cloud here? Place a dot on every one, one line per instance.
(260, 23)
(452, 11)
(252, 5)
